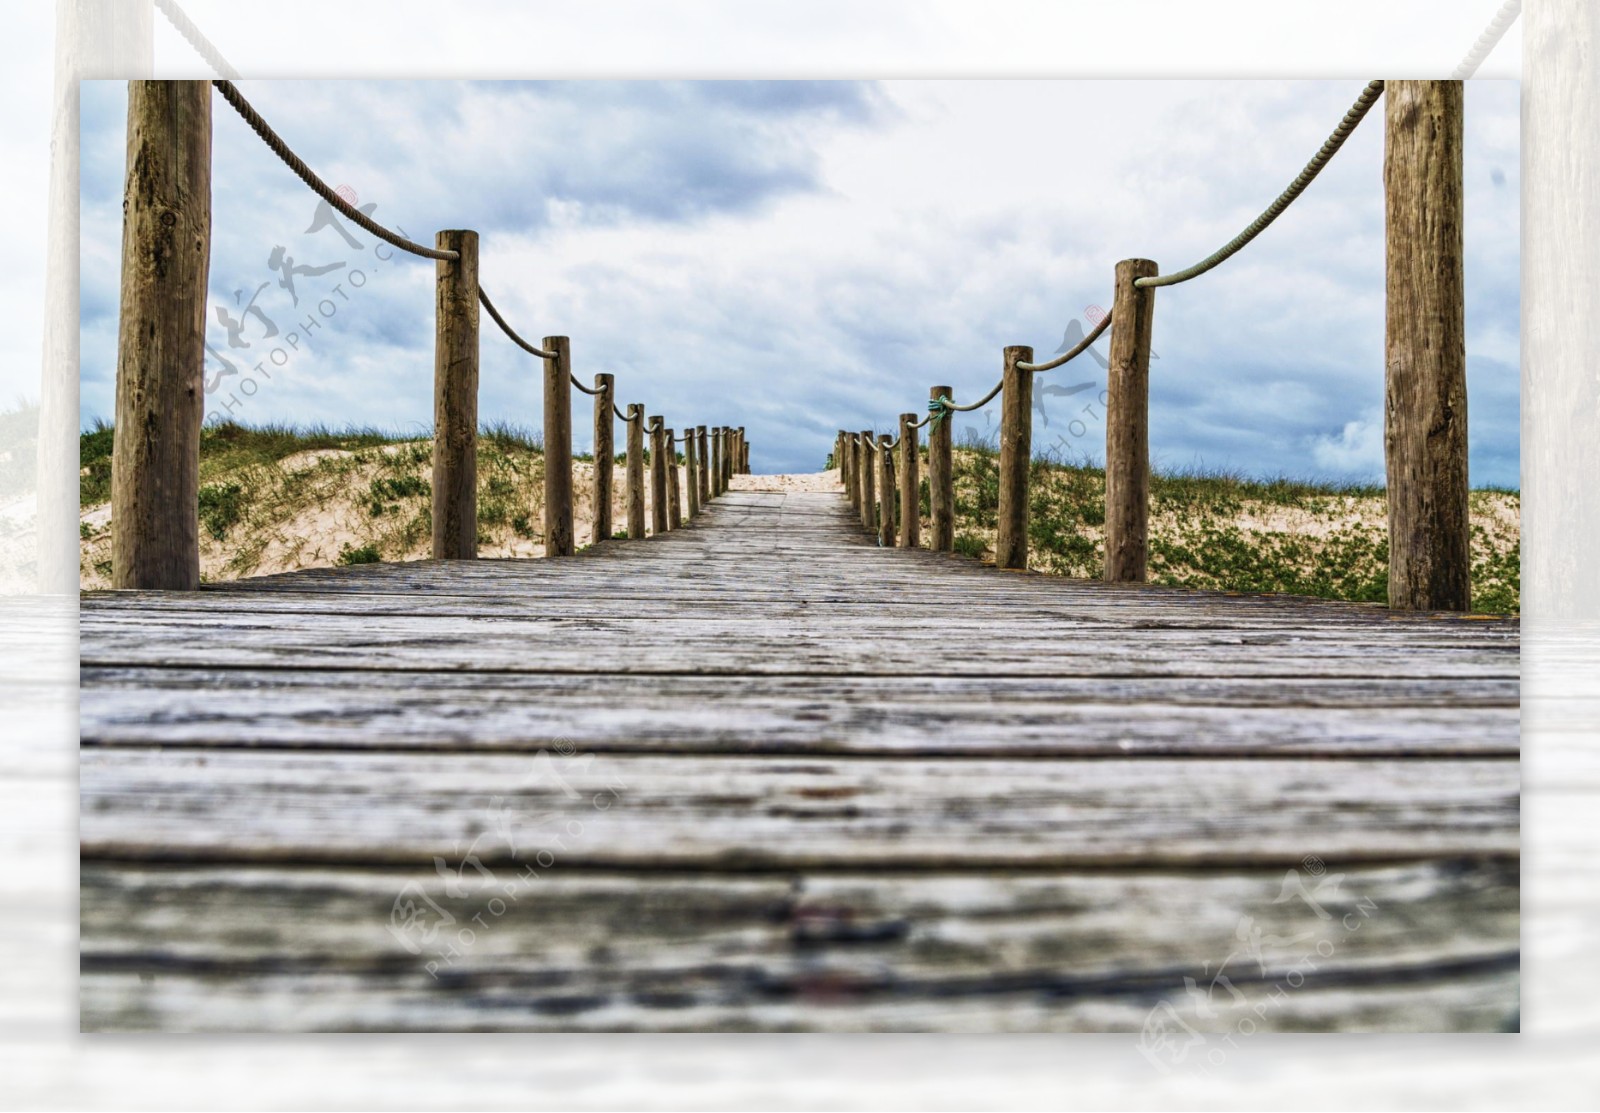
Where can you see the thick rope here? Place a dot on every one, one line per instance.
(944, 404)
(1502, 21)
(1369, 96)
(587, 390)
(1078, 349)
(509, 331)
(202, 46)
(620, 415)
(318, 186)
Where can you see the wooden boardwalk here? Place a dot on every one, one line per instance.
(759, 773)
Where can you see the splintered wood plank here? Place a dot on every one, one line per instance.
(741, 812)
(265, 948)
(796, 714)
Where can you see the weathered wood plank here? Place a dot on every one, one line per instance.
(814, 645)
(266, 948)
(798, 714)
(746, 812)
(1032, 804)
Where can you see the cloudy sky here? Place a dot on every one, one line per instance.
(798, 257)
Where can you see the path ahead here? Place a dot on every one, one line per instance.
(760, 773)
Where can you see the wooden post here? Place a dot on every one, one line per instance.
(658, 477)
(674, 504)
(1128, 426)
(1425, 384)
(838, 460)
(558, 539)
(705, 463)
(743, 459)
(727, 457)
(941, 479)
(635, 469)
(455, 399)
(160, 399)
(910, 484)
(869, 485)
(847, 467)
(1016, 458)
(886, 499)
(604, 455)
(719, 451)
(691, 468)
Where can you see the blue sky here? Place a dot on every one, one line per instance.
(798, 257)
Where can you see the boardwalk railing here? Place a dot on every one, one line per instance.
(166, 247)
(1425, 380)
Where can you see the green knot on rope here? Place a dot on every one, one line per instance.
(939, 407)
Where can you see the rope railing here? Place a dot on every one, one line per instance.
(274, 141)
(1077, 350)
(1358, 112)
(1422, 180)
(169, 129)
(494, 314)
(191, 34)
(944, 404)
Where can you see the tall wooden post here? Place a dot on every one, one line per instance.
(910, 484)
(558, 539)
(455, 398)
(716, 461)
(635, 468)
(166, 258)
(886, 498)
(869, 484)
(674, 503)
(1425, 384)
(941, 479)
(691, 467)
(727, 456)
(604, 454)
(838, 460)
(849, 468)
(742, 461)
(1128, 426)
(705, 463)
(658, 477)
(1016, 459)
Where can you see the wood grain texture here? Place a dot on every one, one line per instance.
(1016, 459)
(1128, 425)
(869, 482)
(600, 508)
(635, 471)
(887, 501)
(455, 398)
(1425, 347)
(559, 539)
(251, 948)
(160, 392)
(674, 505)
(941, 479)
(692, 467)
(910, 484)
(658, 476)
(862, 789)
(700, 436)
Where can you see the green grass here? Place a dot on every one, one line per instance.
(1226, 531)
(366, 554)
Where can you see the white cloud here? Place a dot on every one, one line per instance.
(799, 259)
(1356, 451)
